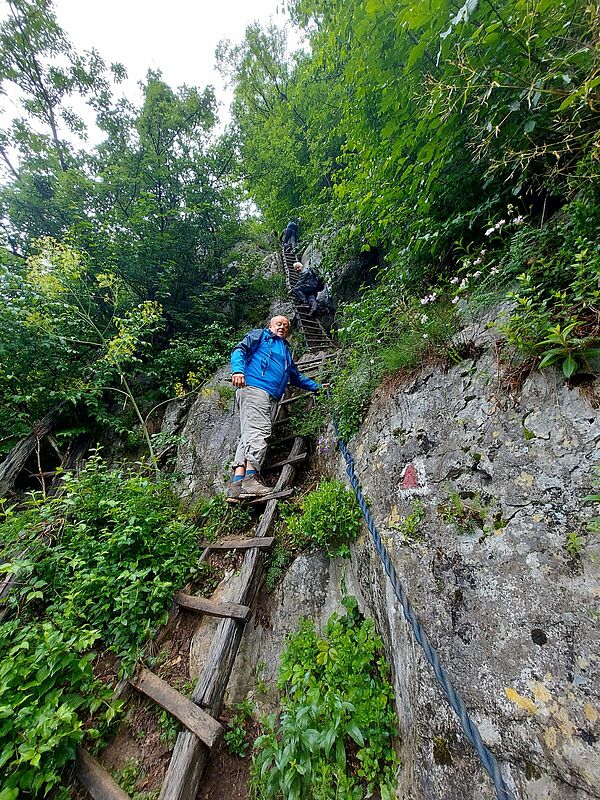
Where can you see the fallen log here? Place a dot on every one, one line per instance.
(17, 458)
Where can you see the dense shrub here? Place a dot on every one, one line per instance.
(334, 737)
(330, 518)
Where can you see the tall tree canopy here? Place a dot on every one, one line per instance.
(407, 115)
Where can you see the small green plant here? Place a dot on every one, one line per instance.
(279, 560)
(594, 525)
(216, 517)
(236, 737)
(259, 677)
(169, 727)
(464, 515)
(574, 544)
(570, 351)
(409, 526)
(129, 775)
(226, 395)
(338, 701)
(330, 518)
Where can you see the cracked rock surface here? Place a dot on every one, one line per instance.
(512, 610)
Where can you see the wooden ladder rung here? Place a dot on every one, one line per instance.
(293, 399)
(207, 729)
(262, 542)
(274, 496)
(212, 607)
(99, 783)
(284, 439)
(292, 460)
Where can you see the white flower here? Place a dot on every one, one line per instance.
(424, 319)
(455, 300)
(494, 271)
(489, 231)
(432, 297)
(477, 274)
(477, 261)
(426, 336)
(463, 283)
(424, 301)
(455, 279)
(371, 361)
(500, 223)
(518, 220)
(483, 251)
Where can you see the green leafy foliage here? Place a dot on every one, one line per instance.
(46, 688)
(236, 737)
(335, 734)
(464, 515)
(330, 519)
(96, 565)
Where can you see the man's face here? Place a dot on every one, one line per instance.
(280, 326)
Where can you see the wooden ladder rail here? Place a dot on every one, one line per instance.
(189, 755)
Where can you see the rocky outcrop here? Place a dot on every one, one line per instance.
(207, 438)
(501, 571)
(479, 494)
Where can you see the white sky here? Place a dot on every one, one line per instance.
(178, 37)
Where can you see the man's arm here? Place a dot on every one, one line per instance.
(301, 381)
(241, 354)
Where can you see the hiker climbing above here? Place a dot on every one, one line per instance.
(261, 367)
(290, 236)
(309, 284)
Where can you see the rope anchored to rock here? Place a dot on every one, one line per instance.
(470, 729)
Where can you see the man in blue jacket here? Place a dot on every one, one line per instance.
(261, 368)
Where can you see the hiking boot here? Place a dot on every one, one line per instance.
(234, 489)
(254, 487)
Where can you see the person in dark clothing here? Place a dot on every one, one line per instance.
(290, 236)
(326, 308)
(308, 286)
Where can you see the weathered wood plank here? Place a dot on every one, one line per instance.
(293, 399)
(195, 719)
(292, 460)
(257, 501)
(212, 607)
(262, 542)
(99, 783)
(190, 756)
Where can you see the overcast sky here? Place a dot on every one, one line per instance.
(178, 37)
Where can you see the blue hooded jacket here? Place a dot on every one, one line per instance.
(266, 362)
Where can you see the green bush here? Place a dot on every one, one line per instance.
(46, 688)
(98, 564)
(122, 553)
(330, 518)
(337, 701)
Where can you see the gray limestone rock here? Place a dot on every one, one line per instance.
(512, 613)
(208, 439)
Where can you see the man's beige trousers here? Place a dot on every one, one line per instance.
(257, 410)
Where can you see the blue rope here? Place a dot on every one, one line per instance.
(470, 729)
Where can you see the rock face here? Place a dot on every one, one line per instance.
(511, 607)
(479, 496)
(208, 439)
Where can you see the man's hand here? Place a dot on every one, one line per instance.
(238, 379)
